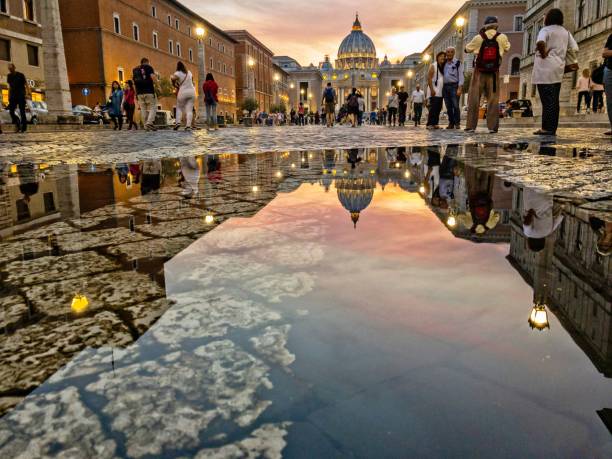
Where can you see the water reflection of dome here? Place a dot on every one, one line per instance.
(355, 194)
(383, 180)
(326, 181)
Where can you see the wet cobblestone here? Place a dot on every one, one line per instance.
(111, 146)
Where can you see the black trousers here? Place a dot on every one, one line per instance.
(435, 107)
(402, 113)
(586, 95)
(392, 117)
(21, 104)
(597, 101)
(117, 121)
(418, 112)
(549, 95)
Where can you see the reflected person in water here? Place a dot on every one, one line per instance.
(541, 217)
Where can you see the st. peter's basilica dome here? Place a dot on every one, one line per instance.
(357, 50)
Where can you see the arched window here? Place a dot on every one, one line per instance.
(515, 66)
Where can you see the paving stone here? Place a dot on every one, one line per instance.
(49, 269)
(75, 242)
(176, 228)
(13, 310)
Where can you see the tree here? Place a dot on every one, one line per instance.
(250, 105)
(279, 108)
(165, 87)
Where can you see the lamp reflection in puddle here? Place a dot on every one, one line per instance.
(407, 174)
(538, 319)
(292, 165)
(422, 189)
(79, 304)
(279, 174)
(255, 189)
(209, 219)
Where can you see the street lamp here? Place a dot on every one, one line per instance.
(200, 33)
(409, 73)
(460, 22)
(426, 57)
(251, 65)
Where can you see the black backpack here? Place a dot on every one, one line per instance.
(328, 95)
(353, 101)
(598, 74)
(139, 75)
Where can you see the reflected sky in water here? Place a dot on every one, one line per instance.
(309, 303)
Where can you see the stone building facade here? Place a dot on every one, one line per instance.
(280, 86)
(255, 80)
(106, 44)
(21, 43)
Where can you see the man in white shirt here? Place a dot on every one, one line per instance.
(418, 97)
(489, 47)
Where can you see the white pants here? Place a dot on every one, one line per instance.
(184, 105)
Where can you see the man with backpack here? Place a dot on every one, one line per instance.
(145, 80)
(489, 46)
(329, 102)
(352, 103)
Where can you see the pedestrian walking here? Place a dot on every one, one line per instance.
(18, 90)
(554, 43)
(453, 86)
(129, 104)
(418, 98)
(489, 46)
(115, 102)
(361, 101)
(145, 80)
(402, 98)
(607, 78)
(352, 103)
(182, 80)
(597, 90)
(435, 85)
(301, 115)
(392, 106)
(583, 86)
(210, 90)
(329, 101)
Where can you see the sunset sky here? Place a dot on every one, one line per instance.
(307, 30)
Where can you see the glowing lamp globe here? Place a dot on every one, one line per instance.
(538, 319)
(422, 189)
(209, 219)
(279, 174)
(451, 221)
(79, 304)
(200, 32)
(255, 188)
(407, 174)
(460, 21)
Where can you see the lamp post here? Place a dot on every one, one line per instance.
(200, 33)
(460, 23)
(251, 66)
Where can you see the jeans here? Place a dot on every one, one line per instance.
(211, 115)
(608, 86)
(148, 108)
(587, 100)
(435, 107)
(449, 92)
(418, 112)
(21, 104)
(549, 95)
(597, 100)
(402, 113)
(392, 116)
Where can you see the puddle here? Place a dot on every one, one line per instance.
(429, 301)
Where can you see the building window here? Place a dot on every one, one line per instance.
(524, 91)
(190, 55)
(581, 8)
(210, 42)
(529, 38)
(176, 24)
(212, 64)
(120, 75)
(135, 32)
(153, 11)
(170, 46)
(3, 6)
(116, 23)
(597, 9)
(23, 210)
(169, 19)
(5, 49)
(224, 68)
(518, 23)
(49, 202)
(155, 40)
(28, 10)
(515, 66)
(189, 31)
(33, 55)
(178, 50)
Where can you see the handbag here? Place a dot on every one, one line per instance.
(571, 58)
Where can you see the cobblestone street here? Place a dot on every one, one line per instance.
(112, 146)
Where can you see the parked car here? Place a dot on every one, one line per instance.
(31, 113)
(89, 116)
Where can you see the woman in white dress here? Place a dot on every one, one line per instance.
(182, 80)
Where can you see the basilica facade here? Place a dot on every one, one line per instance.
(356, 66)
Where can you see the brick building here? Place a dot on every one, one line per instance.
(21, 43)
(108, 42)
(253, 80)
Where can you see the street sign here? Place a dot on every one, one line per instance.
(85, 91)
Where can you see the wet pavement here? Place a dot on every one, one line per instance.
(111, 146)
(369, 302)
